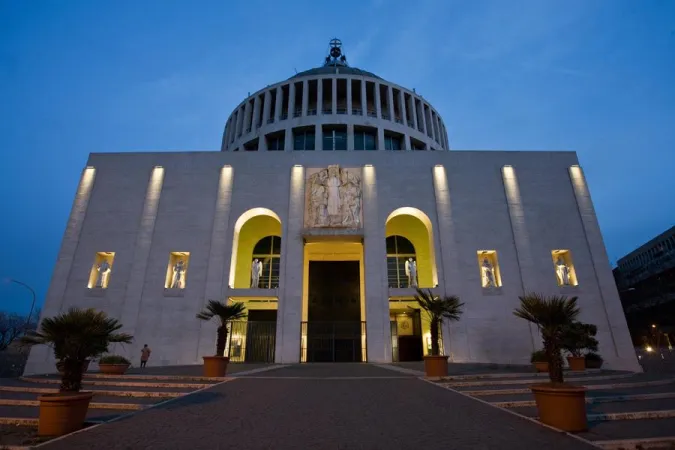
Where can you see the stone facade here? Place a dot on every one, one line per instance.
(123, 206)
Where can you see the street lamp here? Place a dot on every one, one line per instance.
(32, 305)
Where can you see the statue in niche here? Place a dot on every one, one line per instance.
(256, 272)
(333, 198)
(178, 270)
(411, 272)
(103, 272)
(563, 271)
(488, 274)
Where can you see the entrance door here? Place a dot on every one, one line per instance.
(261, 332)
(334, 311)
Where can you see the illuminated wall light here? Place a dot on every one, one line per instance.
(297, 165)
(368, 165)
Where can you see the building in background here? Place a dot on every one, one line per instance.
(333, 197)
(646, 281)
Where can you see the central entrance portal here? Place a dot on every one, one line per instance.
(334, 329)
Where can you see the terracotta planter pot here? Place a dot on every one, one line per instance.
(113, 369)
(85, 366)
(215, 366)
(62, 413)
(562, 406)
(541, 366)
(593, 364)
(436, 366)
(576, 363)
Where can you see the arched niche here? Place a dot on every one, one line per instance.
(252, 226)
(415, 226)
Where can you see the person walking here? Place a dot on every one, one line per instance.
(145, 355)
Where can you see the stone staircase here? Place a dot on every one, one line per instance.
(625, 410)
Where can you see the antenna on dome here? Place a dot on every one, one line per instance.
(335, 56)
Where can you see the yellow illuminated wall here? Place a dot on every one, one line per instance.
(251, 232)
(415, 231)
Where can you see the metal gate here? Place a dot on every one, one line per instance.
(250, 341)
(333, 342)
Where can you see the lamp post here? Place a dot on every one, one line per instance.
(32, 305)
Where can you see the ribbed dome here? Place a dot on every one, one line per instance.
(327, 70)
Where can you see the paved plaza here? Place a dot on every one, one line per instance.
(323, 406)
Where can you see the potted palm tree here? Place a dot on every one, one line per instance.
(438, 308)
(577, 338)
(560, 405)
(216, 366)
(75, 336)
(113, 364)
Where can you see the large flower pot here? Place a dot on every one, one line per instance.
(576, 363)
(436, 366)
(85, 366)
(215, 366)
(593, 364)
(562, 406)
(113, 369)
(62, 413)
(541, 366)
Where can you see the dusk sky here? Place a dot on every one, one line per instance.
(81, 76)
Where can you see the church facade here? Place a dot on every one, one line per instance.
(334, 196)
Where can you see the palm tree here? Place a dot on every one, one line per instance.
(225, 313)
(551, 315)
(438, 308)
(75, 336)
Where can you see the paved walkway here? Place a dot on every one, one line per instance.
(331, 406)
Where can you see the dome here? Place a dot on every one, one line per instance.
(334, 107)
(337, 70)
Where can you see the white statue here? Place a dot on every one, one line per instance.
(563, 271)
(256, 271)
(411, 272)
(178, 270)
(488, 274)
(103, 272)
(333, 185)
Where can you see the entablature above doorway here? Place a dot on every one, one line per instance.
(252, 294)
(332, 234)
(410, 293)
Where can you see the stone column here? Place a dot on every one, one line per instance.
(318, 142)
(404, 111)
(133, 298)
(266, 107)
(521, 237)
(220, 240)
(240, 122)
(247, 117)
(41, 358)
(408, 145)
(364, 98)
(334, 95)
(319, 97)
(277, 105)
(291, 100)
(256, 113)
(305, 97)
(390, 96)
(622, 354)
(413, 108)
(349, 95)
(426, 119)
(378, 340)
(378, 102)
(289, 315)
(288, 140)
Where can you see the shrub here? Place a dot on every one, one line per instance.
(113, 359)
(538, 356)
(593, 357)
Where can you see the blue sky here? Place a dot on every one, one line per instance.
(594, 76)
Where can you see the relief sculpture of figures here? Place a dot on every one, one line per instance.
(178, 270)
(411, 272)
(256, 272)
(333, 198)
(488, 274)
(563, 272)
(103, 271)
